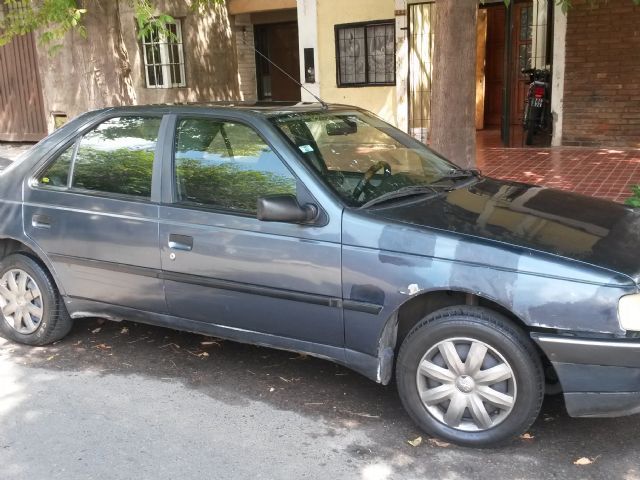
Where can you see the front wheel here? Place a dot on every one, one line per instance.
(467, 375)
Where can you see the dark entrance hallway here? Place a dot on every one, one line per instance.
(279, 42)
(516, 38)
(494, 67)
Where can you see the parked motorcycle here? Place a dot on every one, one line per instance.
(537, 110)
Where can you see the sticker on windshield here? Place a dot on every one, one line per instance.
(306, 148)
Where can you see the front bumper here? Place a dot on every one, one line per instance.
(599, 378)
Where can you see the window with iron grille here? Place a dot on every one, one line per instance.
(366, 54)
(164, 57)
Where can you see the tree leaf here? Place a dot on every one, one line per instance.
(439, 443)
(583, 461)
(415, 442)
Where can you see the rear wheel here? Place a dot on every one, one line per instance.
(32, 311)
(532, 120)
(467, 375)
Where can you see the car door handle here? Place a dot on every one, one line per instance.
(180, 242)
(41, 221)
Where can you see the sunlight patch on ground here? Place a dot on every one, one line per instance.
(11, 394)
(377, 471)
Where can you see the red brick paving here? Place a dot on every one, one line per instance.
(604, 172)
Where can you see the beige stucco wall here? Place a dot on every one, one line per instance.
(107, 69)
(381, 100)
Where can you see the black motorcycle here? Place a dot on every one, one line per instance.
(537, 109)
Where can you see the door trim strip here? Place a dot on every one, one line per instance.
(252, 289)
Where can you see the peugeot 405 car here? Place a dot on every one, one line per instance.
(322, 229)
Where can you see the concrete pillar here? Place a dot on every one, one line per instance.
(246, 58)
(402, 66)
(308, 38)
(557, 80)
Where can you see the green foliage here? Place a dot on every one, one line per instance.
(123, 171)
(634, 201)
(229, 187)
(53, 19)
(128, 172)
(57, 175)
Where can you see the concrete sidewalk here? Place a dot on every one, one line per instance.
(11, 151)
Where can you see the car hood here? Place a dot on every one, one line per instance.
(574, 226)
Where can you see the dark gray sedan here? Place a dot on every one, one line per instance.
(324, 230)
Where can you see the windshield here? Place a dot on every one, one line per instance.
(361, 157)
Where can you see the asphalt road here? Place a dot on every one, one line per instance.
(124, 401)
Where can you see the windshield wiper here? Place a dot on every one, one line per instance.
(457, 174)
(403, 192)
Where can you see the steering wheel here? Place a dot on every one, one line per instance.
(368, 175)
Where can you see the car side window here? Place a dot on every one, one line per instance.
(117, 157)
(57, 173)
(226, 165)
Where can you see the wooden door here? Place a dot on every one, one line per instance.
(494, 66)
(279, 42)
(21, 106)
(521, 58)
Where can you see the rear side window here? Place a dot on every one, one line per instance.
(57, 173)
(226, 165)
(116, 157)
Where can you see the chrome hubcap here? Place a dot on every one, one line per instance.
(20, 301)
(466, 384)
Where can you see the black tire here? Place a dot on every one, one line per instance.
(532, 120)
(55, 322)
(488, 328)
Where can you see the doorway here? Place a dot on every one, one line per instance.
(278, 42)
(509, 39)
(494, 66)
(517, 37)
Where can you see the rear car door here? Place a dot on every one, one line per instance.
(90, 208)
(224, 267)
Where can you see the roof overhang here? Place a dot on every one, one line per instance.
(237, 7)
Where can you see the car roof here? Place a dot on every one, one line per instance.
(265, 109)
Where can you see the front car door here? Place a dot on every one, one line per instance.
(224, 268)
(90, 208)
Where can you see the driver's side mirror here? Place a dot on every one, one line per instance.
(285, 208)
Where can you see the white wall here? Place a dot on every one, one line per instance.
(402, 66)
(557, 80)
(308, 38)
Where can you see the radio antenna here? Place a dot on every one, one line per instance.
(322, 102)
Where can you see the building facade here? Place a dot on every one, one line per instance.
(375, 54)
(113, 66)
